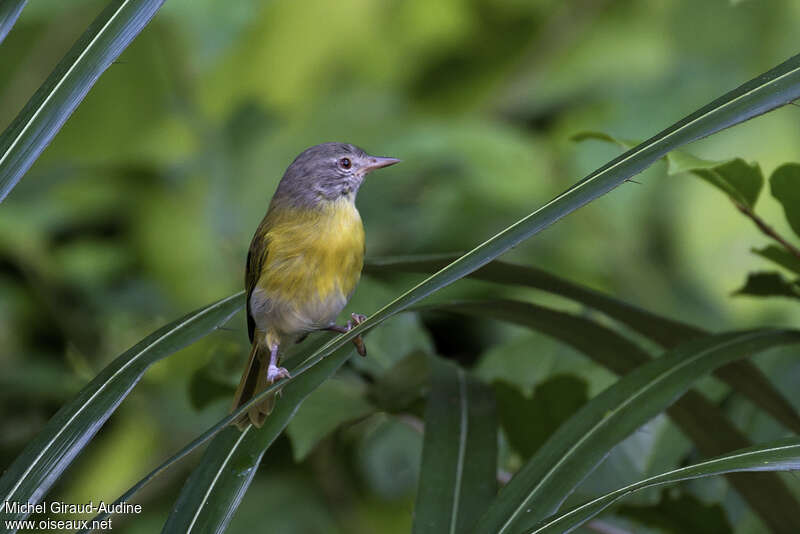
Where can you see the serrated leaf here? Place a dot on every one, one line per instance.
(458, 478)
(780, 256)
(785, 186)
(782, 455)
(335, 402)
(46, 457)
(9, 13)
(47, 110)
(772, 284)
(579, 445)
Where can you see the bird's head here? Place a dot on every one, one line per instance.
(328, 172)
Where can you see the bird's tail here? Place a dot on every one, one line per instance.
(254, 380)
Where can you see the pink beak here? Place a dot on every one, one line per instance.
(377, 162)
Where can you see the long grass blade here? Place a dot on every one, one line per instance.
(46, 457)
(701, 421)
(9, 13)
(782, 455)
(47, 110)
(742, 376)
(772, 89)
(580, 444)
(458, 478)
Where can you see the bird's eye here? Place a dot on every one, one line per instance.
(345, 163)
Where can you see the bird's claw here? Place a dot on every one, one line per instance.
(275, 373)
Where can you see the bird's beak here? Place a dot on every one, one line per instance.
(377, 162)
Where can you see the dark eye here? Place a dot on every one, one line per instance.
(345, 163)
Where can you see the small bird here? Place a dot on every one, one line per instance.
(304, 262)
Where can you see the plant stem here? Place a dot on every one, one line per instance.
(767, 229)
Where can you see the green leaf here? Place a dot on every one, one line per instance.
(403, 384)
(335, 402)
(769, 90)
(701, 421)
(46, 457)
(666, 332)
(578, 446)
(782, 455)
(685, 514)
(772, 284)
(458, 478)
(742, 376)
(553, 402)
(785, 186)
(740, 180)
(217, 485)
(780, 256)
(9, 13)
(47, 110)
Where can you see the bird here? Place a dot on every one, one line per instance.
(304, 263)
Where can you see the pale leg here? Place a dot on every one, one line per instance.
(275, 373)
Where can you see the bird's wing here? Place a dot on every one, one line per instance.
(255, 261)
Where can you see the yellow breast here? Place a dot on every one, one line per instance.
(313, 263)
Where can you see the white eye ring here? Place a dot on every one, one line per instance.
(345, 163)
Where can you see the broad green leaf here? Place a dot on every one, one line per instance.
(767, 91)
(216, 486)
(684, 513)
(744, 377)
(9, 13)
(782, 455)
(47, 110)
(335, 402)
(701, 421)
(579, 445)
(769, 284)
(780, 256)
(785, 186)
(458, 478)
(740, 180)
(553, 402)
(46, 457)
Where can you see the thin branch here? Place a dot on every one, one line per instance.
(767, 229)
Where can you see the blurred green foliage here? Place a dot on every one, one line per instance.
(144, 205)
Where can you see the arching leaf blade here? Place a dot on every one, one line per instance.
(46, 457)
(9, 13)
(52, 104)
(579, 445)
(781, 455)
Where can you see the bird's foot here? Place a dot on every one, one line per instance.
(275, 373)
(356, 319)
